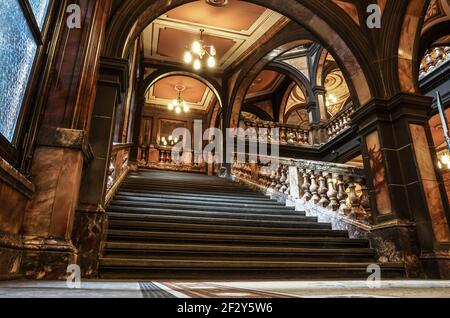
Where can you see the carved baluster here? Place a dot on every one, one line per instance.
(365, 203)
(332, 193)
(323, 191)
(353, 199)
(314, 188)
(342, 196)
(306, 186)
(282, 182)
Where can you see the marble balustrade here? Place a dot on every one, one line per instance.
(338, 188)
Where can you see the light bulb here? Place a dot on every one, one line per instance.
(213, 51)
(327, 104)
(186, 108)
(176, 140)
(178, 110)
(197, 65)
(175, 102)
(170, 138)
(163, 139)
(211, 62)
(445, 160)
(188, 57)
(165, 143)
(171, 106)
(196, 47)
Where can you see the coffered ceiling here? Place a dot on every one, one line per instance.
(232, 29)
(196, 94)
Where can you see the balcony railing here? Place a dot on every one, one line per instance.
(307, 136)
(333, 188)
(434, 59)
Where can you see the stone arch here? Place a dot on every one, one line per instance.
(408, 51)
(298, 77)
(211, 83)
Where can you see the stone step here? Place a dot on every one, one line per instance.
(235, 239)
(200, 197)
(192, 211)
(124, 224)
(177, 217)
(205, 202)
(206, 250)
(199, 269)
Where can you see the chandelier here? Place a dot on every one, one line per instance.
(179, 104)
(198, 52)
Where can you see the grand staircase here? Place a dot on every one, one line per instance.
(166, 225)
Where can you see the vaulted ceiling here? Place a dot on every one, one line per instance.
(195, 93)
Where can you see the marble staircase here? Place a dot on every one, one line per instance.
(168, 225)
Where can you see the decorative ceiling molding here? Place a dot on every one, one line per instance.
(438, 11)
(166, 38)
(196, 94)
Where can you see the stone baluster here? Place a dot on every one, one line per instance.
(353, 199)
(314, 188)
(306, 186)
(342, 196)
(332, 193)
(323, 191)
(365, 203)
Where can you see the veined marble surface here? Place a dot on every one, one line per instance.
(263, 289)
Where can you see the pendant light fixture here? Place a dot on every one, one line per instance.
(199, 52)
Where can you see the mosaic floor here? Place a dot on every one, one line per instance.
(290, 289)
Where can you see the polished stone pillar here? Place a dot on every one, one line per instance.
(91, 219)
(409, 203)
(62, 144)
(321, 108)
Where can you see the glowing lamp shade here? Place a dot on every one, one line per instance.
(178, 110)
(197, 64)
(171, 107)
(196, 47)
(211, 62)
(188, 57)
(186, 108)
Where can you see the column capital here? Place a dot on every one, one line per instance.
(411, 106)
(114, 71)
(319, 90)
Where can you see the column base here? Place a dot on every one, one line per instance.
(437, 263)
(397, 242)
(10, 256)
(89, 236)
(47, 259)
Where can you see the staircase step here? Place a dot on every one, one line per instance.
(230, 252)
(162, 268)
(205, 202)
(244, 239)
(200, 197)
(301, 222)
(177, 190)
(211, 212)
(237, 229)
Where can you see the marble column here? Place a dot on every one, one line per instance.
(409, 203)
(62, 144)
(91, 219)
(321, 108)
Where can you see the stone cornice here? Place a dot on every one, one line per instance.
(15, 179)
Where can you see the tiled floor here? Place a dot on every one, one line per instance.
(103, 289)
